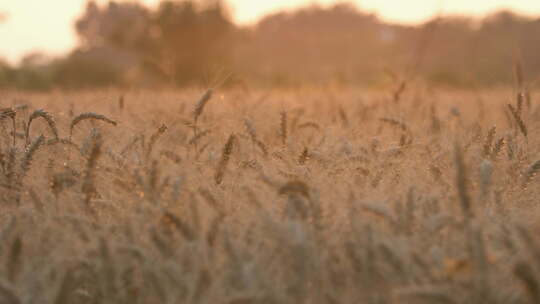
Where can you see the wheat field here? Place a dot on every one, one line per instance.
(334, 195)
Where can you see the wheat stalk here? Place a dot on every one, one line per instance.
(309, 124)
(489, 140)
(497, 147)
(212, 201)
(91, 116)
(88, 184)
(47, 117)
(181, 226)
(225, 156)
(283, 127)
(153, 139)
(518, 119)
(304, 157)
(29, 154)
(531, 172)
(198, 136)
(253, 136)
(462, 183)
(10, 113)
(201, 104)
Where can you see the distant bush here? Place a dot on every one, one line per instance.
(92, 68)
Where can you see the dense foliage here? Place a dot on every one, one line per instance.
(181, 43)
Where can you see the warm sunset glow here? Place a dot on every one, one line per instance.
(47, 25)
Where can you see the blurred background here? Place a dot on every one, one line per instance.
(74, 44)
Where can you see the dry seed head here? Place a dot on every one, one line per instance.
(47, 117)
(250, 129)
(90, 115)
(497, 148)
(180, 225)
(343, 116)
(121, 102)
(199, 107)
(225, 156)
(406, 136)
(89, 141)
(136, 139)
(295, 187)
(262, 146)
(172, 156)
(395, 122)
(29, 154)
(212, 201)
(435, 121)
(253, 135)
(195, 139)
(380, 210)
(304, 157)
(489, 141)
(510, 146)
(309, 124)
(461, 183)
(10, 164)
(519, 121)
(520, 99)
(283, 125)
(10, 113)
(153, 139)
(7, 113)
(531, 172)
(201, 150)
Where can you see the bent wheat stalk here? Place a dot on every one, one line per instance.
(89, 115)
(47, 117)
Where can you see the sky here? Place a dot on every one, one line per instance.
(41, 25)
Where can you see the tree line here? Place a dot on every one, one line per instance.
(182, 43)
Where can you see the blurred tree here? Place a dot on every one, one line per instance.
(182, 42)
(178, 42)
(7, 74)
(316, 44)
(35, 72)
(188, 41)
(94, 67)
(120, 25)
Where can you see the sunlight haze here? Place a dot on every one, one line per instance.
(37, 25)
